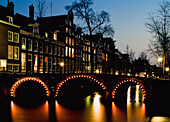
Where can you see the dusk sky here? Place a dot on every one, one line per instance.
(127, 16)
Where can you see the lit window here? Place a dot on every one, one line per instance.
(69, 52)
(89, 58)
(66, 40)
(73, 52)
(10, 36)
(50, 64)
(106, 57)
(3, 65)
(66, 29)
(23, 62)
(16, 68)
(41, 64)
(29, 44)
(16, 53)
(69, 41)
(35, 63)
(46, 64)
(16, 37)
(94, 51)
(46, 34)
(66, 51)
(9, 67)
(36, 46)
(10, 52)
(89, 49)
(10, 19)
(72, 42)
(55, 36)
(23, 43)
(29, 63)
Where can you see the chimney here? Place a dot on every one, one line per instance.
(31, 12)
(11, 7)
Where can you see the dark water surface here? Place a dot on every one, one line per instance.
(90, 110)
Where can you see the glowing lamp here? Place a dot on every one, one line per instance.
(167, 69)
(160, 59)
(97, 71)
(61, 64)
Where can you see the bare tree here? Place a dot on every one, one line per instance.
(95, 22)
(131, 53)
(41, 7)
(159, 26)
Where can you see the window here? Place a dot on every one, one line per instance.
(69, 51)
(29, 62)
(10, 52)
(16, 68)
(16, 37)
(66, 40)
(58, 51)
(36, 46)
(45, 48)
(55, 36)
(35, 63)
(23, 44)
(88, 58)
(72, 42)
(50, 64)
(89, 49)
(66, 29)
(10, 19)
(73, 52)
(16, 53)
(9, 67)
(3, 65)
(50, 49)
(41, 64)
(46, 64)
(41, 47)
(69, 41)
(46, 34)
(66, 53)
(62, 51)
(55, 50)
(29, 44)
(23, 62)
(106, 57)
(10, 36)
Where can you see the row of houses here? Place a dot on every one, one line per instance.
(50, 45)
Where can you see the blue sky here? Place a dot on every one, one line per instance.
(127, 17)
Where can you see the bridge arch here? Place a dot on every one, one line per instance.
(27, 79)
(78, 76)
(132, 81)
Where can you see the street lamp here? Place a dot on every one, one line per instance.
(162, 60)
(97, 71)
(167, 69)
(61, 64)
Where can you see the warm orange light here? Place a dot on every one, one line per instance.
(160, 59)
(19, 82)
(128, 74)
(167, 69)
(117, 73)
(61, 64)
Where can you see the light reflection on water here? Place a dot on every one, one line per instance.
(93, 111)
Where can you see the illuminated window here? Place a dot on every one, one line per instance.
(89, 49)
(66, 53)
(73, 52)
(66, 40)
(84, 57)
(35, 63)
(10, 52)
(89, 57)
(94, 51)
(69, 41)
(46, 34)
(16, 53)
(55, 36)
(69, 51)
(66, 29)
(23, 62)
(41, 47)
(3, 65)
(50, 49)
(15, 67)
(106, 57)
(46, 64)
(54, 65)
(41, 64)
(36, 46)
(16, 37)
(72, 42)
(29, 63)
(10, 36)
(10, 19)
(23, 44)
(29, 44)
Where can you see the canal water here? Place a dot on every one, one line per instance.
(92, 109)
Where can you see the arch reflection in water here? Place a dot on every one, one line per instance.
(36, 114)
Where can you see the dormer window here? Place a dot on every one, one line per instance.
(10, 19)
(55, 35)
